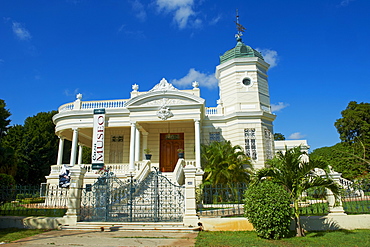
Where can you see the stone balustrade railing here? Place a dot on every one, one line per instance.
(212, 111)
(115, 168)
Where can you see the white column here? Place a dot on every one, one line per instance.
(60, 151)
(197, 144)
(145, 142)
(132, 147)
(137, 145)
(74, 147)
(80, 154)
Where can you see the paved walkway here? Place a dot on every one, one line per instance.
(106, 239)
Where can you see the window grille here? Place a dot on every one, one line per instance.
(214, 137)
(116, 149)
(268, 144)
(250, 143)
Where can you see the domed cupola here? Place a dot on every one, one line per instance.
(240, 50)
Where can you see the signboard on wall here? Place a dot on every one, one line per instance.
(97, 152)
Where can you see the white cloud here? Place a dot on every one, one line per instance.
(215, 20)
(270, 56)
(205, 80)
(345, 3)
(21, 32)
(139, 8)
(182, 10)
(69, 94)
(296, 136)
(279, 106)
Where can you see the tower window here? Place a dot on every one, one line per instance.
(214, 136)
(247, 81)
(250, 143)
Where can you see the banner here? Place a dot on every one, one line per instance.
(97, 154)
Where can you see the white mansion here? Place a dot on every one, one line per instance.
(165, 119)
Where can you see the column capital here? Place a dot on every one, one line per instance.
(75, 128)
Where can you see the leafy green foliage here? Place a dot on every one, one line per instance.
(344, 158)
(267, 207)
(225, 164)
(6, 180)
(35, 148)
(279, 137)
(355, 123)
(4, 115)
(296, 175)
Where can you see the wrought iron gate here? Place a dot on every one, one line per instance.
(155, 199)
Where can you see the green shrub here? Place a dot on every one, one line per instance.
(267, 207)
(6, 180)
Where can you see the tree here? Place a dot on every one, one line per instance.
(267, 207)
(38, 149)
(296, 175)
(225, 164)
(354, 125)
(4, 115)
(279, 137)
(345, 158)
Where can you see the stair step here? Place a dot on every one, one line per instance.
(135, 226)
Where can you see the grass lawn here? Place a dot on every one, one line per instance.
(325, 238)
(11, 234)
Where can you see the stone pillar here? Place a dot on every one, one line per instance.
(80, 148)
(74, 147)
(190, 214)
(74, 195)
(137, 145)
(335, 208)
(197, 144)
(132, 148)
(60, 151)
(145, 143)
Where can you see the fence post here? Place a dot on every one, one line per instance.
(190, 214)
(335, 209)
(74, 195)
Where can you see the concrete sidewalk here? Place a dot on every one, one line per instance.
(107, 239)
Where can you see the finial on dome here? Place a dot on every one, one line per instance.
(239, 27)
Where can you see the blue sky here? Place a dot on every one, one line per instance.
(319, 51)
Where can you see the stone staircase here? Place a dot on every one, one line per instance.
(132, 226)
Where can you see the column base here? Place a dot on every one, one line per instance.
(190, 221)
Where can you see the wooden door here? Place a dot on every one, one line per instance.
(168, 153)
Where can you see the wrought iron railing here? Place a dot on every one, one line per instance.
(221, 200)
(227, 200)
(33, 200)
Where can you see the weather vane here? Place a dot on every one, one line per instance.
(239, 27)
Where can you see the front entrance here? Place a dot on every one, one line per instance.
(168, 152)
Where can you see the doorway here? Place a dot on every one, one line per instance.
(169, 143)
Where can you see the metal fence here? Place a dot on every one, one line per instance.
(33, 200)
(227, 201)
(221, 200)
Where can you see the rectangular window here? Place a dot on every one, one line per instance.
(250, 143)
(116, 149)
(268, 144)
(214, 137)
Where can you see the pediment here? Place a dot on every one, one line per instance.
(161, 98)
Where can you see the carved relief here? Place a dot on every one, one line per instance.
(163, 85)
(164, 113)
(166, 101)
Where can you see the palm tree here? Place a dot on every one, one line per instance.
(296, 175)
(225, 164)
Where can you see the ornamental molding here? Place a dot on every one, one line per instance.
(164, 113)
(167, 101)
(163, 86)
